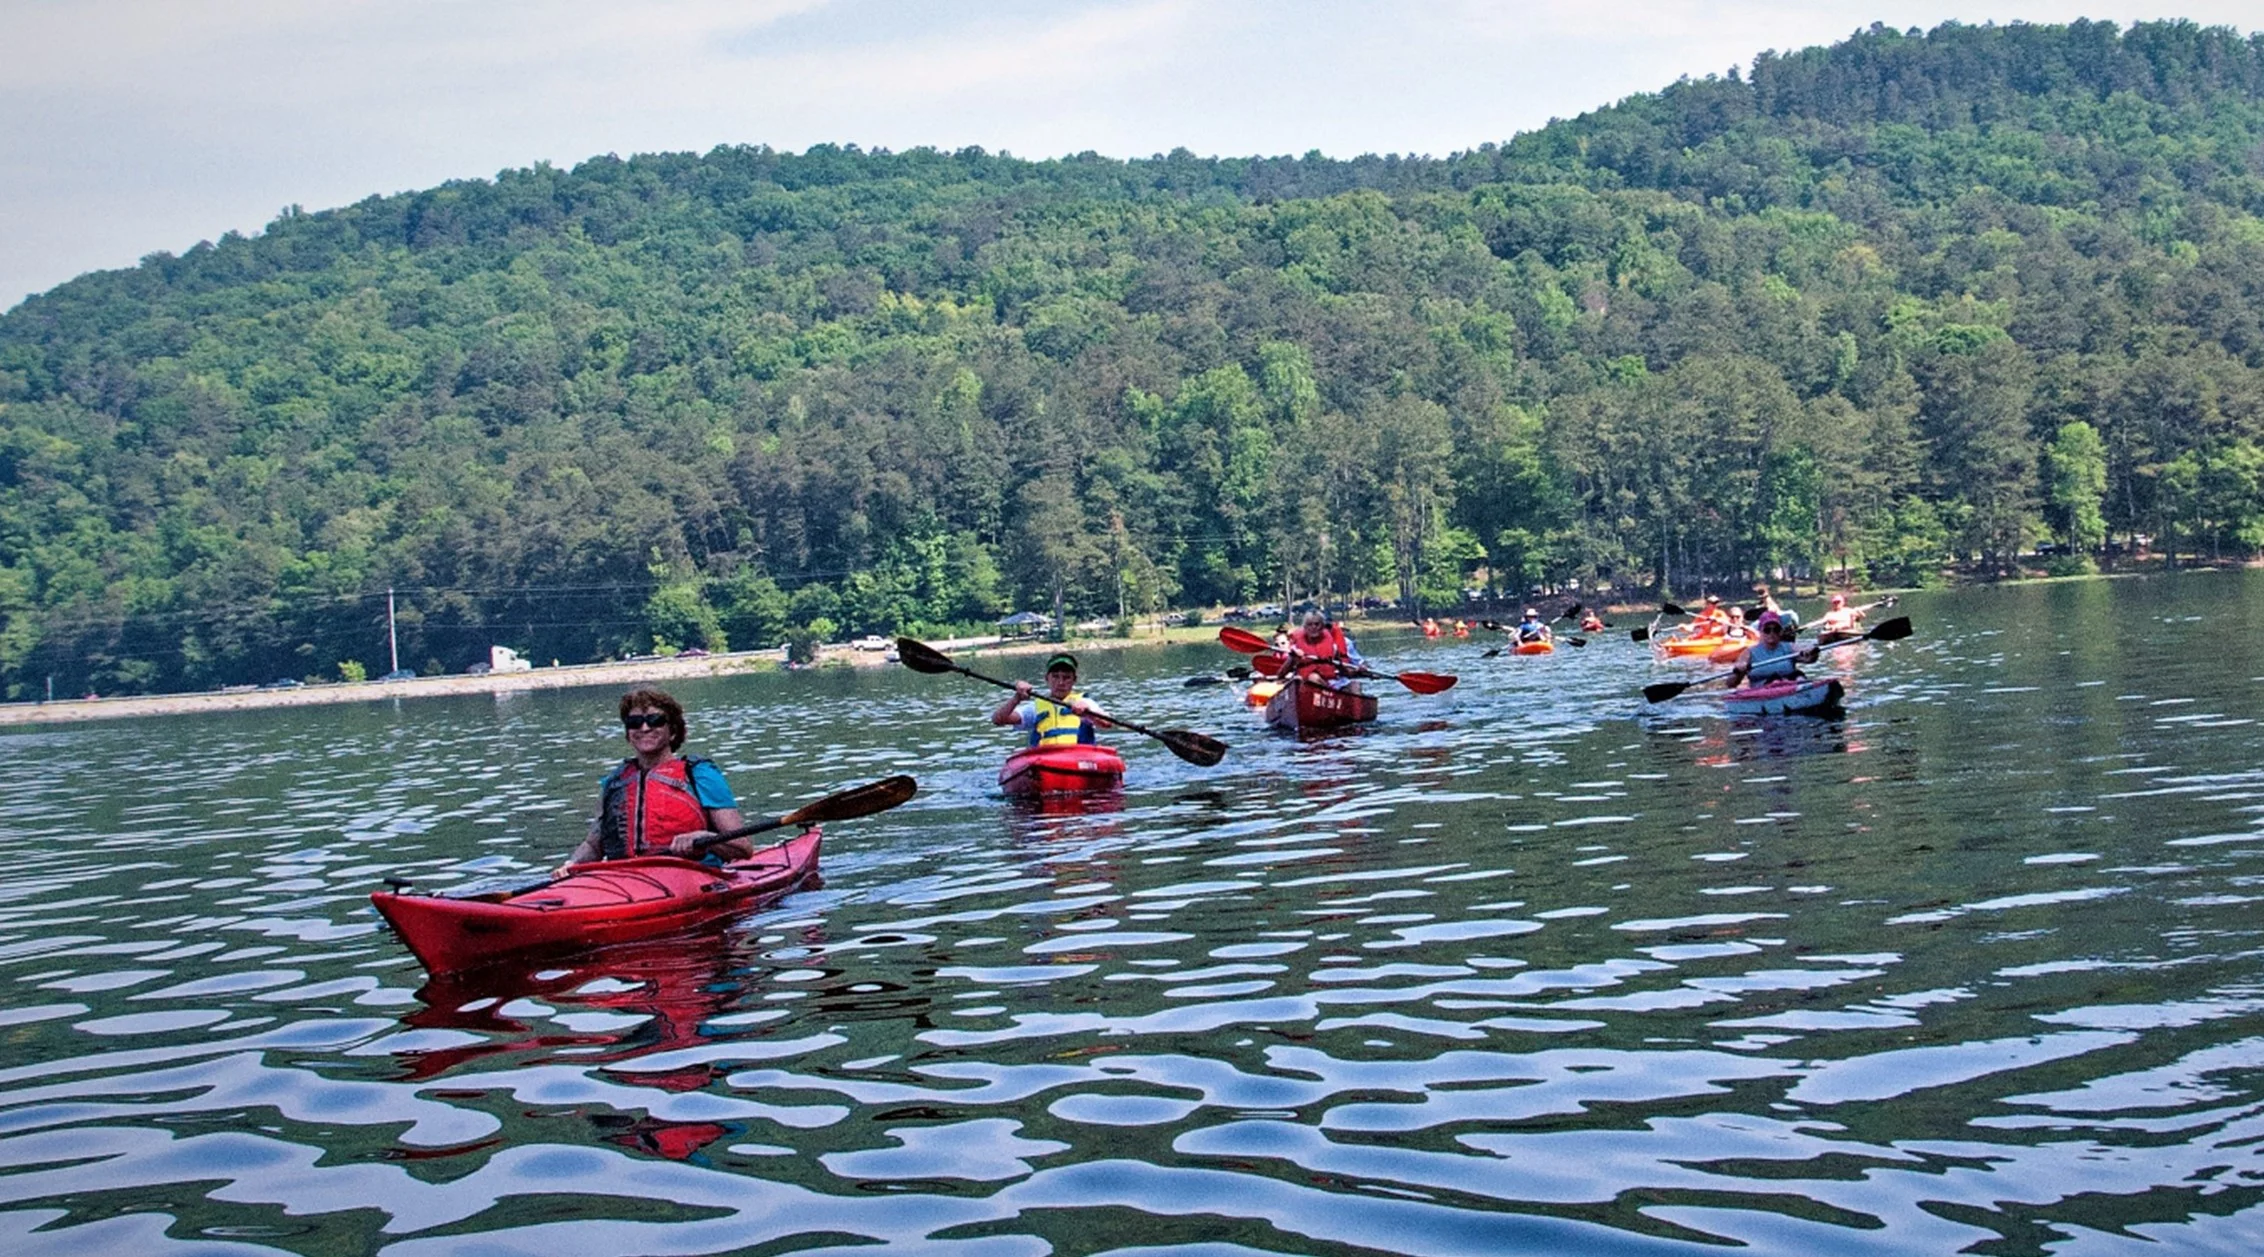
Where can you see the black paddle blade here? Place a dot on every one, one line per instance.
(1665, 690)
(1578, 643)
(1668, 608)
(1893, 630)
(1199, 749)
(865, 800)
(921, 657)
(1491, 653)
(1238, 673)
(1639, 634)
(1196, 683)
(1570, 611)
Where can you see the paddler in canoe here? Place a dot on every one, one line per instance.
(657, 801)
(1591, 622)
(1773, 657)
(1059, 717)
(1321, 652)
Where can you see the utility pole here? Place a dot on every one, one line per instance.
(392, 641)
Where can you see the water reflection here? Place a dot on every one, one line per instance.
(1526, 965)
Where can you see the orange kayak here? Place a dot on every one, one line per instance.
(1677, 647)
(1533, 648)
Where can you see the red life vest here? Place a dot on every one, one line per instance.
(1330, 647)
(640, 812)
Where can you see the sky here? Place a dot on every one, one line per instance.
(133, 126)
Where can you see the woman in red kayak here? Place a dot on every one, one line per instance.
(657, 801)
(1059, 717)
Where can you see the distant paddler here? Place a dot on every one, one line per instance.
(1842, 622)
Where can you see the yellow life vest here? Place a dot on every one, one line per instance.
(1057, 724)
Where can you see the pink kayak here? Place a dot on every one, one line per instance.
(1778, 698)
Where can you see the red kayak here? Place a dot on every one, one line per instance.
(1786, 697)
(598, 903)
(1304, 705)
(1071, 769)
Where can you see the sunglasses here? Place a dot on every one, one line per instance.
(646, 720)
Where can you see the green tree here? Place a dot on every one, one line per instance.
(2075, 480)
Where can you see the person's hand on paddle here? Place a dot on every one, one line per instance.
(688, 844)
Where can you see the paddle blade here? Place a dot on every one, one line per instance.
(1238, 673)
(1199, 749)
(1570, 611)
(1194, 683)
(865, 800)
(1668, 608)
(1665, 690)
(1491, 653)
(1242, 641)
(921, 657)
(1267, 664)
(1494, 626)
(1427, 682)
(1893, 630)
(1639, 634)
(1578, 643)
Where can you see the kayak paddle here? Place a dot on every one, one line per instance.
(1199, 749)
(1258, 647)
(865, 800)
(1893, 630)
(1665, 609)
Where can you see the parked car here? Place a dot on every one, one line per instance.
(283, 683)
(480, 669)
(695, 652)
(400, 674)
(871, 641)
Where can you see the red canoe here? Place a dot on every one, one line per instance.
(1071, 769)
(1303, 705)
(599, 903)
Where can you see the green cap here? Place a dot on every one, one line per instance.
(1062, 659)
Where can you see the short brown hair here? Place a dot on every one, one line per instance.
(662, 702)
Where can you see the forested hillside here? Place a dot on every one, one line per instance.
(1909, 301)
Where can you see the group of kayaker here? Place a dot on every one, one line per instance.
(657, 800)
(1763, 650)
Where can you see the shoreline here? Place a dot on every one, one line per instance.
(18, 716)
(622, 674)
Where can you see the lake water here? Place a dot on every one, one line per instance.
(1525, 967)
